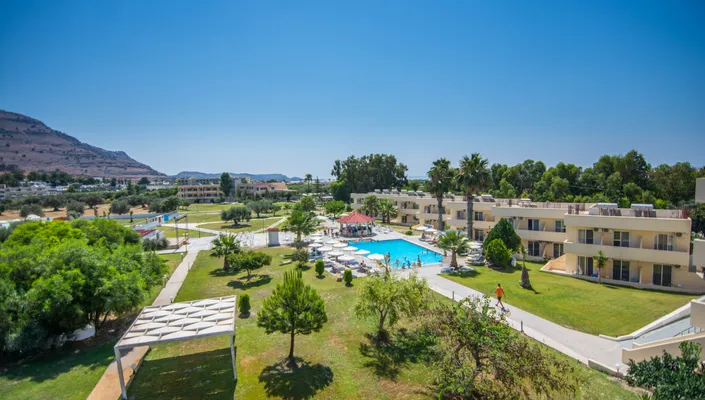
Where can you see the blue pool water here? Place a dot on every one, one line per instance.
(400, 250)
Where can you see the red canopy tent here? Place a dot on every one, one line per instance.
(356, 219)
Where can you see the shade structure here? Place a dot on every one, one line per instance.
(431, 230)
(355, 218)
(325, 248)
(315, 245)
(349, 248)
(379, 257)
(340, 245)
(332, 242)
(420, 228)
(346, 258)
(362, 252)
(317, 239)
(336, 253)
(179, 321)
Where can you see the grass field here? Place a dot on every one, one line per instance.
(170, 233)
(253, 225)
(577, 304)
(336, 366)
(72, 371)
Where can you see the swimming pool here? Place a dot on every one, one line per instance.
(401, 250)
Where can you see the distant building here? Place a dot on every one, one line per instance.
(199, 190)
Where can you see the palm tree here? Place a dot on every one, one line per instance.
(387, 210)
(370, 205)
(474, 176)
(601, 259)
(455, 242)
(224, 246)
(440, 181)
(525, 282)
(308, 178)
(301, 223)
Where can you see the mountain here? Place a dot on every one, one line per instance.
(32, 146)
(255, 177)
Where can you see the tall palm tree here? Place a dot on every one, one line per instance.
(474, 176)
(455, 242)
(301, 223)
(370, 205)
(308, 178)
(386, 210)
(601, 260)
(440, 182)
(525, 282)
(224, 246)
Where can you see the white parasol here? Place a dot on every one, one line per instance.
(379, 257)
(317, 234)
(420, 228)
(349, 248)
(325, 248)
(335, 253)
(332, 242)
(346, 258)
(362, 252)
(314, 245)
(340, 245)
(431, 230)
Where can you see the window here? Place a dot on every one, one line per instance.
(460, 215)
(585, 265)
(479, 235)
(585, 236)
(479, 216)
(559, 226)
(620, 270)
(533, 224)
(534, 249)
(663, 242)
(557, 250)
(662, 275)
(621, 239)
(404, 219)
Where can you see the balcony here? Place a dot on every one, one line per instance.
(629, 223)
(529, 212)
(556, 237)
(629, 253)
(699, 252)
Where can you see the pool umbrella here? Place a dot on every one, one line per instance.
(317, 234)
(349, 248)
(335, 253)
(362, 252)
(317, 240)
(325, 248)
(332, 242)
(431, 230)
(314, 245)
(340, 245)
(378, 257)
(346, 258)
(420, 228)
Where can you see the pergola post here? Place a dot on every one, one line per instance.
(232, 354)
(120, 375)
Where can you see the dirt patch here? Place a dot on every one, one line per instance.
(49, 212)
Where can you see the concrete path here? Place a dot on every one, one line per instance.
(108, 387)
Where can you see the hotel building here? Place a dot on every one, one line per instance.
(646, 247)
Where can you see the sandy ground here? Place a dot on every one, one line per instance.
(48, 212)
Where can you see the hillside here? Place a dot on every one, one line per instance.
(33, 146)
(256, 177)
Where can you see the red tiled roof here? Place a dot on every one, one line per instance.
(355, 218)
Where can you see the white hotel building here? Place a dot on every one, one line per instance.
(646, 247)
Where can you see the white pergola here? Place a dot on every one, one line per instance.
(179, 321)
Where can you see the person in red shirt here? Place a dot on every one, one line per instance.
(500, 293)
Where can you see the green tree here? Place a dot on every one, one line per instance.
(307, 203)
(275, 209)
(259, 206)
(334, 208)
(227, 186)
(440, 182)
(29, 209)
(505, 231)
(601, 260)
(389, 298)
(498, 254)
(473, 176)
(293, 308)
(143, 181)
(224, 246)
(300, 257)
(308, 178)
(249, 261)
(386, 210)
(455, 242)
(320, 267)
(119, 207)
(243, 304)
(75, 207)
(93, 200)
(525, 282)
(236, 214)
(54, 202)
(301, 223)
(480, 357)
(370, 204)
(156, 205)
(170, 204)
(671, 377)
(347, 277)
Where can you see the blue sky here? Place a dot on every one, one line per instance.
(288, 87)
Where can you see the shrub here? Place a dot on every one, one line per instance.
(505, 231)
(498, 254)
(155, 244)
(347, 277)
(320, 267)
(243, 303)
(76, 207)
(29, 209)
(300, 257)
(409, 233)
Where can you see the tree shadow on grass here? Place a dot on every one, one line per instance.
(464, 274)
(204, 375)
(388, 358)
(255, 281)
(295, 384)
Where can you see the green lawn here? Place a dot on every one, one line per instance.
(207, 207)
(253, 225)
(577, 304)
(336, 367)
(72, 371)
(170, 233)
